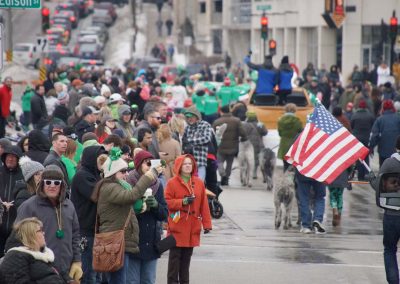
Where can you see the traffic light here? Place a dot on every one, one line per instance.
(264, 27)
(45, 19)
(393, 26)
(272, 47)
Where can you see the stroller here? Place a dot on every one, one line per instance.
(213, 190)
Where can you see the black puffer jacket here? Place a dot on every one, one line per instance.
(8, 179)
(82, 188)
(39, 146)
(21, 265)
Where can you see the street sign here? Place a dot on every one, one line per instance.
(1, 47)
(20, 4)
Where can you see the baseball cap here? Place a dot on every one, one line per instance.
(115, 98)
(89, 110)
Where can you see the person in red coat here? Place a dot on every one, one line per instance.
(188, 211)
(5, 101)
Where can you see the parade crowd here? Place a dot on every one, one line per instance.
(107, 150)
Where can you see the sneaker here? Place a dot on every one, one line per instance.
(318, 228)
(305, 230)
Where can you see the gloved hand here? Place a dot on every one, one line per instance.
(75, 271)
(206, 231)
(246, 59)
(188, 200)
(151, 202)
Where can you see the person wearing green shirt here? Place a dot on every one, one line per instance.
(26, 107)
(68, 159)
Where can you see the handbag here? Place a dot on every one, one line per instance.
(165, 244)
(109, 248)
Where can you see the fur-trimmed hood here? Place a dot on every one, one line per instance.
(47, 255)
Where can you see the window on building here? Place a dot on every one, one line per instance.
(312, 42)
(375, 45)
(202, 7)
(218, 6)
(217, 41)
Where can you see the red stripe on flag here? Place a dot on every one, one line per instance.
(324, 146)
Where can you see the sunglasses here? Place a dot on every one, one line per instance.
(157, 117)
(55, 182)
(124, 171)
(148, 164)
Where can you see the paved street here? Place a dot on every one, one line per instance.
(245, 247)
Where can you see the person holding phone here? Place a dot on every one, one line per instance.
(151, 211)
(188, 212)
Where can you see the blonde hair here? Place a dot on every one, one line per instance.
(25, 231)
(177, 124)
(163, 133)
(290, 108)
(71, 149)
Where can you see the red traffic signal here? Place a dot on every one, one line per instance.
(393, 21)
(264, 21)
(45, 12)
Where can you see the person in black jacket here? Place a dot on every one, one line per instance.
(83, 197)
(39, 116)
(10, 173)
(150, 211)
(28, 260)
(38, 146)
(87, 123)
(32, 172)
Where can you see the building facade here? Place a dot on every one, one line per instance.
(298, 27)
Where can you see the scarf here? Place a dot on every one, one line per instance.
(135, 176)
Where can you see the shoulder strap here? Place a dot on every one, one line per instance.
(96, 224)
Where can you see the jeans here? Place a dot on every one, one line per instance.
(178, 265)
(125, 274)
(144, 271)
(391, 235)
(89, 275)
(201, 171)
(225, 172)
(304, 190)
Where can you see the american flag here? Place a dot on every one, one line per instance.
(325, 148)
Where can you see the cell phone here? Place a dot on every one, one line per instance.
(155, 163)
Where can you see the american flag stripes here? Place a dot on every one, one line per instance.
(325, 148)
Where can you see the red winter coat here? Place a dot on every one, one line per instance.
(187, 230)
(5, 100)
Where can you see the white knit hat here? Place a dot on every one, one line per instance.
(114, 162)
(29, 167)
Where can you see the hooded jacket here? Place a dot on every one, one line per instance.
(5, 100)
(22, 265)
(8, 179)
(66, 249)
(193, 216)
(82, 189)
(390, 165)
(115, 203)
(39, 146)
(126, 127)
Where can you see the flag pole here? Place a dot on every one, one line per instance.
(365, 165)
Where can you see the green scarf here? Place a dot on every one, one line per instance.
(185, 178)
(137, 207)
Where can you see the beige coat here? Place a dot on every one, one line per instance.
(173, 148)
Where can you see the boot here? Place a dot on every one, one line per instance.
(335, 219)
(224, 181)
(339, 218)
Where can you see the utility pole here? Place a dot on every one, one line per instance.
(9, 39)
